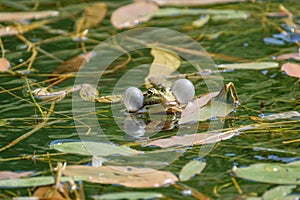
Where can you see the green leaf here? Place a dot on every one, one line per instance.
(93, 148)
(281, 193)
(190, 169)
(271, 173)
(252, 65)
(171, 12)
(27, 182)
(129, 195)
(31, 181)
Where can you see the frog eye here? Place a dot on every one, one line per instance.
(150, 92)
(183, 90)
(133, 99)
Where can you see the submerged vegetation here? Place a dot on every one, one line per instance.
(98, 104)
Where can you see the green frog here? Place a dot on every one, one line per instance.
(159, 96)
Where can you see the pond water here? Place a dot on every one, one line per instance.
(261, 92)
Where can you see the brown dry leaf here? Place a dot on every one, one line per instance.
(73, 64)
(165, 63)
(48, 193)
(196, 139)
(13, 175)
(91, 16)
(295, 56)
(192, 2)
(21, 16)
(130, 15)
(291, 69)
(4, 64)
(122, 175)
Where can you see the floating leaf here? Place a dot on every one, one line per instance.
(284, 115)
(21, 16)
(212, 109)
(196, 139)
(214, 13)
(291, 69)
(130, 15)
(165, 62)
(122, 175)
(190, 169)
(210, 105)
(32, 181)
(281, 193)
(92, 148)
(153, 159)
(27, 182)
(12, 175)
(192, 2)
(275, 173)
(294, 56)
(253, 65)
(91, 16)
(129, 195)
(73, 64)
(4, 64)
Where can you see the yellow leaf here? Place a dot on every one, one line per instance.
(165, 63)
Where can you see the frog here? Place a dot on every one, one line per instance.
(159, 96)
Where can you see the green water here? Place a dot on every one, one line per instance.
(238, 38)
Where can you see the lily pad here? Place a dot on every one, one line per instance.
(275, 173)
(190, 169)
(129, 195)
(92, 148)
